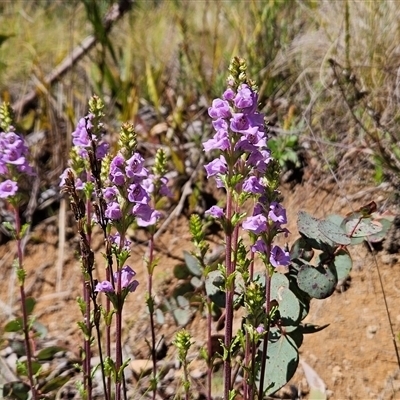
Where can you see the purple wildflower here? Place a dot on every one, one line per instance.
(164, 189)
(256, 224)
(216, 212)
(277, 213)
(220, 141)
(110, 193)
(137, 194)
(8, 188)
(260, 329)
(245, 97)
(134, 167)
(113, 211)
(126, 273)
(239, 122)
(279, 257)
(105, 287)
(253, 185)
(116, 239)
(217, 166)
(142, 211)
(220, 124)
(259, 159)
(219, 109)
(229, 94)
(80, 136)
(259, 246)
(117, 175)
(151, 220)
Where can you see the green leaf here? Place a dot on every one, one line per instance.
(192, 263)
(215, 285)
(289, 307)
(333, 232)
(301, 249)
(378, 237)
(23, 367)
(159, 316)
(16, 391)
(308, 225)
(181, 271)
(178, 161)
(196, 282)
(55, 384)
(48, 353)
(30, 303)
(14, 326)
(318, 282)
(183, 289)
(342, 264)
(282, 361)
(151, 85)
(18, 347)
(363, 228)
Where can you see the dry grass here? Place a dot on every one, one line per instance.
(173, 55)
(346, 70)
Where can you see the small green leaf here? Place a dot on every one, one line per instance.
(289, 306)
(16, 391)
(192, 263)
(215, 284)
(342, 264)
(30, 303)
(181, 271)
(55, 384)
(48, 353)
(14, 326)
(23, 367)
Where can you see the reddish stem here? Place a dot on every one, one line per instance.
(209, 348)
(25, 324)
(228, 299)
(151, 310)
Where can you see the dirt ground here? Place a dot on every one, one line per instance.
(354, 356)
